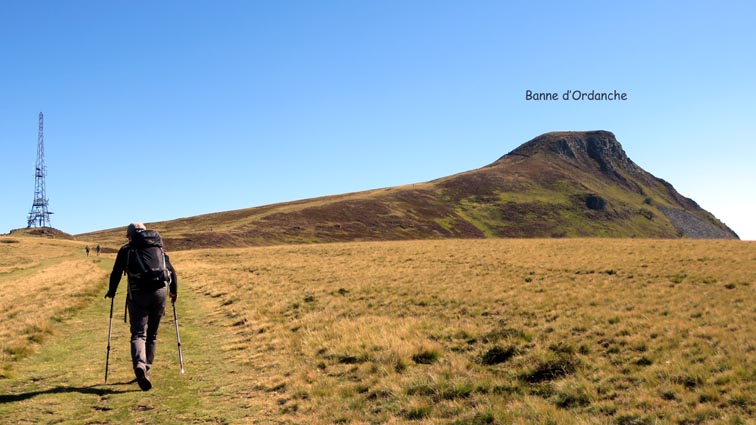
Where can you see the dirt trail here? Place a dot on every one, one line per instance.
(63, 381)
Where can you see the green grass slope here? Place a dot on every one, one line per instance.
(565, 184)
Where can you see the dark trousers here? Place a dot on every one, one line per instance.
(146, 308)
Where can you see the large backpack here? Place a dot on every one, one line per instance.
(145, 264)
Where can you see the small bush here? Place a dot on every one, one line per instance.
(498, 355)
(349, 358)
(426, 356)
(595, 202)
(647, 214)
(551, 369)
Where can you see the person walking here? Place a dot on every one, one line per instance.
(98, 249)
(148, 289)
(86, 248)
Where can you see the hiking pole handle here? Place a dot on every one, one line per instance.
(178, 339)
(110, 329)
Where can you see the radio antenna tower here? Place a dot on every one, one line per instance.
(39, 216)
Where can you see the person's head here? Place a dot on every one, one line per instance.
(133, 228)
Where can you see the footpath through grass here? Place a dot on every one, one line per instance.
(63, 381)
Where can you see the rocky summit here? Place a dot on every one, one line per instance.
(560, 184)
(597, 149)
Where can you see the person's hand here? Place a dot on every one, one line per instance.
(110, 295)
(173, 297)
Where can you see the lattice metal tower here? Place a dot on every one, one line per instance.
(39, 216)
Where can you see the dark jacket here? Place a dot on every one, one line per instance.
(119, 268)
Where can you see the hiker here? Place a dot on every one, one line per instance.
(98, 249)
(86, 248)
(146, 294)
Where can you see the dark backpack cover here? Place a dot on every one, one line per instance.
(146, 265)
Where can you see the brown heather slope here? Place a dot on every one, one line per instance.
(560, 184)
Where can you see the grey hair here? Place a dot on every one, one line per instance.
(133, 227)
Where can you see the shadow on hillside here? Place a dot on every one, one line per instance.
(11, 398)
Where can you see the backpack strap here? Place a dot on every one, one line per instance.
(165, 267)
(128, 282)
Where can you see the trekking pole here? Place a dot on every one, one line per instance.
(110, 328)
(178, 339)
(126, 303)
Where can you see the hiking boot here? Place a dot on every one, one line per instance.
(142, 379)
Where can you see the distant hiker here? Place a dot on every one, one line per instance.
(98, 249)
(149, 271)
(86, 248)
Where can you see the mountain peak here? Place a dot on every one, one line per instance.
(598, 148)
(572, 144)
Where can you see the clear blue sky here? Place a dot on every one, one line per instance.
(161, 110)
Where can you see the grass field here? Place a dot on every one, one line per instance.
(603, 331)
(43, 281)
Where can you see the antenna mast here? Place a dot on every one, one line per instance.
(39, 216)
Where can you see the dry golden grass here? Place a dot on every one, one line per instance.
(488, 331)
(574, 331)
(42, 281)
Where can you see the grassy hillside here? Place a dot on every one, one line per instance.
(565, 184)
(455, 331)
(43, 282)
